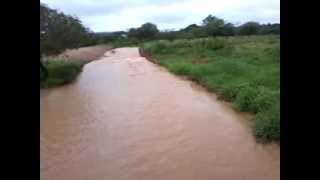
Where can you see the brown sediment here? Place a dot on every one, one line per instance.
(85, 54)
(127, 118)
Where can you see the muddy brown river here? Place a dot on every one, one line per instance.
(125, 118)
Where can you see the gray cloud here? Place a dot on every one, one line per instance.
(112, 15)
(88, 8)
(167, 19)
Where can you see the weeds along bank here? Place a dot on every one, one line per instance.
(65, 67)
(60, 72)
(244, 70)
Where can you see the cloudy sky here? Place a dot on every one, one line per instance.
(116, 15)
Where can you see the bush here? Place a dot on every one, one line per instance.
(60, 72)
(161, 46)
(181, 43)
(197, 46)
(245, 98)
(228, 93)
(255, 99)
(249, 28)
(215, 43)
(180, 69)
(267, 125)
(59, 31)
(265, 99)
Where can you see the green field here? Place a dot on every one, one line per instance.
(244, 70)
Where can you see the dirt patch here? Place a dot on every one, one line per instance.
(86, 54)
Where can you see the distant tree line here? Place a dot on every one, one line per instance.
(59, 31)
(211, 26)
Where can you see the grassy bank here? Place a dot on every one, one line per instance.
(60, 72)
(244, 70)
(65, 68)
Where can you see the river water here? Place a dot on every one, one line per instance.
(126, 118)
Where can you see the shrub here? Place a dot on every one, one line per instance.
(266, 125)
(265, 99)
(60, 72)
(215, 43)
(255, 99)
(245, 98)
(180, 69)
(228, 92)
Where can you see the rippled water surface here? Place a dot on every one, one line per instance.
(126, 118)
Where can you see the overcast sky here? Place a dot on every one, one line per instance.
(116, 15)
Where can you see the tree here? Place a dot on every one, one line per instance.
(270, 29)
(229, 29)
(59, 31)
(249, 28)
(214, 26)
(133, 33)
(198, 32)
(146, 31)
(193, 31)
(190, 28)
(167, 34)
(212, 20)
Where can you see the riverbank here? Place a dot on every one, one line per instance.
(126, 114)
(65, 68)
(243, 70)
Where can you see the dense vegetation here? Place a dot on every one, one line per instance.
(242, 69)
(58, 32)
(60, 72)
(211, 26)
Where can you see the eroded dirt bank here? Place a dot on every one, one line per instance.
(84, 54)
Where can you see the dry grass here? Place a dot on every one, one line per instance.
(65, 67)
(86, 54)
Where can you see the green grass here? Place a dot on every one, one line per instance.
(244, 70)
(60, 72)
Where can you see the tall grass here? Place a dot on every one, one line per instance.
(60, 72)
(244, 70)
